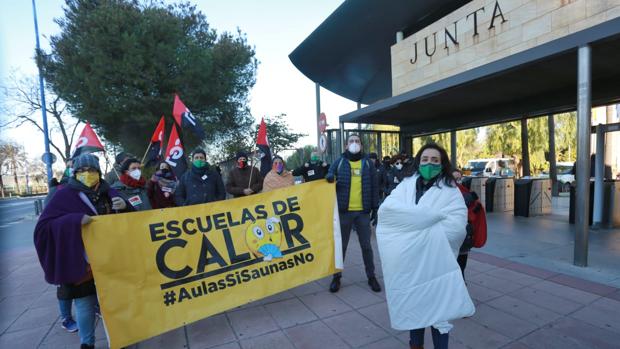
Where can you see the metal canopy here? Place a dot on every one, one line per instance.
(349, 53)
(536, 82)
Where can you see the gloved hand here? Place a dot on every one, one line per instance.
(330, 178)
(118, 203)
(306, 165)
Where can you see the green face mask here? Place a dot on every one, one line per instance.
(429, 171)
(315, 159)
(199, 163)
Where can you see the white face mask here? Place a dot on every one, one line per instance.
(354, 148)
(399, 166)
(135, 174)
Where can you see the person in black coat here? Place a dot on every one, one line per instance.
(313, 170)
(200, 184)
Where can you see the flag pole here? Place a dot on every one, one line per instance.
(146, 152)
(251, 170)
(105, 155)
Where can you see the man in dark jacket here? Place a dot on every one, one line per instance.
(244, 179)
(313, 170)
(200, 184)
(358, 195)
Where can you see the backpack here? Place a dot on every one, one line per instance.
(476, 220)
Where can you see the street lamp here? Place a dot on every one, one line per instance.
(47, 157)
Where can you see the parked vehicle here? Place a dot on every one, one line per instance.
(504, 167)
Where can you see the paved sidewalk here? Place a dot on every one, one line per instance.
(518, 306)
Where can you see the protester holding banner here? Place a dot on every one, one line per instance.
(132, 185)
(200, 184)
(313, 170)
(421, 227)
(278, 177)
(358, 195)
(243, 179)
(161, 187)
(58, 238)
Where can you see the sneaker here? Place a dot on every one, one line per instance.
(374, 284)
(335, 285)
(69, 325)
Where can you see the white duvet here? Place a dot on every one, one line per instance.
(418, 244)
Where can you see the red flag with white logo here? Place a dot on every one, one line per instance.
(154, 154)
(175, 155)
(185, 119)
(87, 142)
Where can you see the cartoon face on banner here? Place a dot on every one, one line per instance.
(264, 237)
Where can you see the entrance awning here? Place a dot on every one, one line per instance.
(536, 82)
(349, 53)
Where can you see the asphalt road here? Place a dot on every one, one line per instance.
(17, 221)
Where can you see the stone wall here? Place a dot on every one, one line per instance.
(504, 27)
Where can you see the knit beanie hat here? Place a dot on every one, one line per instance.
(86, 160)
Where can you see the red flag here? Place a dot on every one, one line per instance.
(185, 118)
(88, 142)
(157, 140)
(175, 155)
(263, 147)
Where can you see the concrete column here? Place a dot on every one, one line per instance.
(599, 174)
(318, 114)
(582, 193)
(453, 148)
(359, 106)
(342, 139)
(553, 171)
(525, 149)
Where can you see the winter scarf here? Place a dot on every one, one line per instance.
(274, 181)
(132, 183)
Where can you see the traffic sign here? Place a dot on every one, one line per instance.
(322, 122)
(323, 143)
(48, 157)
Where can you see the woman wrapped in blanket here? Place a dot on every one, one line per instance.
(421, 227)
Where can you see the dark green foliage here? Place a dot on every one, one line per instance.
(118, 63)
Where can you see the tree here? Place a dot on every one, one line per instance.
(299, 157)
(23, 104)
(503, 140)
(566, 136)
(467, 146)
(538, 144)
(13, 158)
(119, 63)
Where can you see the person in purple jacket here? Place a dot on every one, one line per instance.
(58, 238)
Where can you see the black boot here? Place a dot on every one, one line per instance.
(374, 284)
(335, 285)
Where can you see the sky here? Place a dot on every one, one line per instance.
(274, 27)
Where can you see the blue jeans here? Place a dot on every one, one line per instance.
(65, 308)
(440, 341)
(85, 316)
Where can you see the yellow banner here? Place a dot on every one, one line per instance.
(161, 269)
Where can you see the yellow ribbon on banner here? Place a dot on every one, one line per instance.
(161, 269)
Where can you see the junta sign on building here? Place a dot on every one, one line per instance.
(484, 31)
